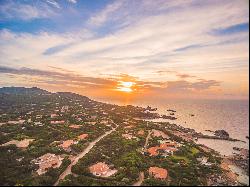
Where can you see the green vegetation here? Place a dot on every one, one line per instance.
(38, 108)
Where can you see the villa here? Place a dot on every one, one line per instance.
(20, 122)
(75, 126)
(128, 136)
(158, 173)
(66, 145)
(101, 169)
(168, 148)
(53, 115)
(129, 127)
(82, 136)
(141, 132)
(47, 161)
(153, 151)
(91, 123)
(57, 122)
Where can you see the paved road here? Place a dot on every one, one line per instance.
(67, 171)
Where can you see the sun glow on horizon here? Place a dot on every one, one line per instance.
(125, 86)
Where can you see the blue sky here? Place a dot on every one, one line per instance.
(204, 41)
(64, 16)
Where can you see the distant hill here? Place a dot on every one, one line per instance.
(22, 90)
(39, 91)
(72, 95)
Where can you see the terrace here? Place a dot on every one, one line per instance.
(101, 169)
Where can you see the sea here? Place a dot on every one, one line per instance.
(203, 115)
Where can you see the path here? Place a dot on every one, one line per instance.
(67, 171)
(141, 179)
(147, 138)
(141, 175)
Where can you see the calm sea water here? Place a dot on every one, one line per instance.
(230, 115)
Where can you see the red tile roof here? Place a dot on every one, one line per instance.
(166, 146)
(158, 173)
(83, 136)
(75, 126)
(153, 151)
(100, 168)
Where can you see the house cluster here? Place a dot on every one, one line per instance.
(166, 147)
(47, 161)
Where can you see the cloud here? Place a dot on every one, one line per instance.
(140, 38)
(101, 17)
(237, 28)
(54, 3)
(177, 74)
(56, 49)
(72, 1)
(67, 78)
(52, 77)
(184, 76)
(26, 12)
(192, 87)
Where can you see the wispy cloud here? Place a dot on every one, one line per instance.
(53, 3)
(66, 78)
(185, 86)
(15, 10)
(237, 28)
(63, 77)
(101, 17)
(72, 1)
(156, 41)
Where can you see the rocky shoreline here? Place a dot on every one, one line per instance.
(239, 160)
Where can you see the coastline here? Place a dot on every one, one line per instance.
(222, 169)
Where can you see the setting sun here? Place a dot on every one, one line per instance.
(124, 92)
(125, 86)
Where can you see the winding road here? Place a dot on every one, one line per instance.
(67, 171)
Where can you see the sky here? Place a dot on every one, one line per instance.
(127, 48)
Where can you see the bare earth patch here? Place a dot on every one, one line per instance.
(20, 144)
